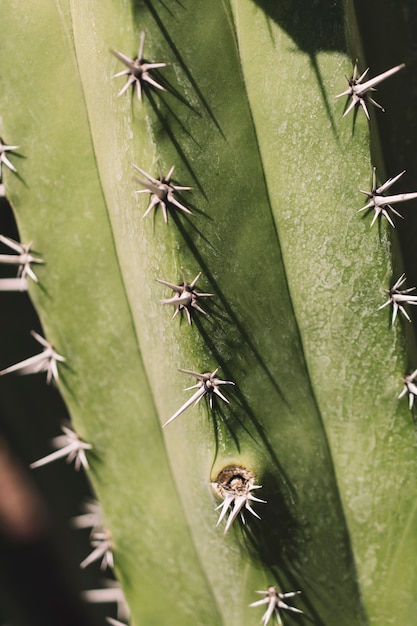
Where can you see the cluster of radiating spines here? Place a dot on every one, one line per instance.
(234, 485)
(4, 160)
(360, 91)
(398, 298)
(162, 192)
(138, 71)
(100, 537)
(381, 203)
(410, 388)
(102, 550)
(23, 259)
(276, 602)
(45, 361)
(207, 385)
(67, 446)
(185, 297)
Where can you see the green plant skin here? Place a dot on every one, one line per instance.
(251, 123)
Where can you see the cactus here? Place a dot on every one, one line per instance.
(274, 280)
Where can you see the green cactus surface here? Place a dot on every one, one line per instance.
(249, 118)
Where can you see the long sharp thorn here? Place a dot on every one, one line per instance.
(194, 398)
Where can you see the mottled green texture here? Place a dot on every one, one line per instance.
(250, 121)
